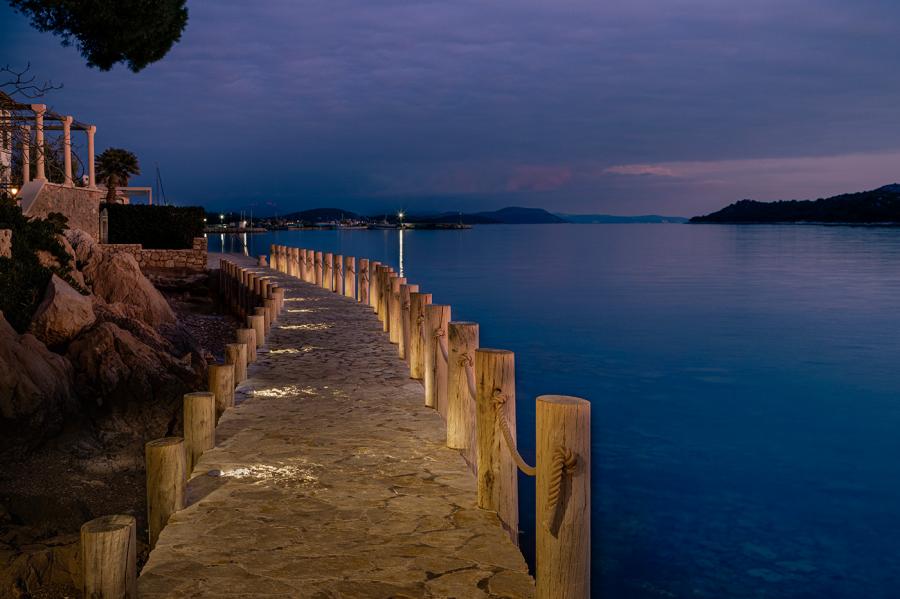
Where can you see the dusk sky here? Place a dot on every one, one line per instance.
(648, 106)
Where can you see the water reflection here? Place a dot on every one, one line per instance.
(400, 237)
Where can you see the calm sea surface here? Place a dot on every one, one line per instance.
(744, 384)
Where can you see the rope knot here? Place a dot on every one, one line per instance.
(438, 333)
(498, 397)
(420, 319)
(465, 360)
(405, 306)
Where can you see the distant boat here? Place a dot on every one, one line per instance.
(384, 224)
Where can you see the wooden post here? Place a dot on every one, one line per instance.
(436, 319)
(363, 296)
(271, 307)
(393, 312)
(248, 338)
(165, 482)
(327, 269)
(236, 354)
(417, 303)
(273, 256)
(350, 277)
(563, 524)
(337, 282)
(199, 426)
(109, 558)
(376, 290)
(498, 491)
(258, 323)
(384, 298)
(403, 345)
(310, 266)
(373, 282)
(320, 266)
(278, 294)
(462, 343)
(261, 311)
(221, 383)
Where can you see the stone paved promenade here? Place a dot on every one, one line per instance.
(330, 478)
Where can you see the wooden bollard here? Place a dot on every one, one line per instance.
(300, 263)
(261, 311)
(403, 345)
(384, 298)
(393, 312)
(271, 307)
(563, 494)
(310, 266)
(376, 290)
(258, 323)
(327, 269)
(278, 294)
(261, 261)
(109, 558)
(236, 355)
(337, 280)
(294, 261)
(436, 319)
(165, 482)
(417, 303)
(462, 341)
(495, 382)
(199, 426)
(248, 338)
(273, 256)
(350, 277)
(363, 293)
(373, 282)
(320, 266)
(221, 383)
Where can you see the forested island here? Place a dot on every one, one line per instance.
(877, 206)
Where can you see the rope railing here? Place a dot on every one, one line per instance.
(454, 371)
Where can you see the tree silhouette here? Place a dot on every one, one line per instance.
(114, 167)
(134, 32)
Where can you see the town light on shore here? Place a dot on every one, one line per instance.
(14, 191)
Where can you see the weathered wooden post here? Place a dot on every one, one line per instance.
(436, 319)
(310, 266)
(563, 493)
(350, 276)
(384, 298)
(261, 311)
(236, 354)
(199, 426)
(109, 558)
(279, 298)
(320, 267)
(271, 307)
(495, 406)
(373, 283)
(393, 312)
(221, 384)
(462, 343)
(327, 269)
(363, 296)
(337, 282)
(273, 256)
(417, 303)
(165, 482)
(248, 338)
(261, 261)
(403, 345)
(258, 324)
(376, 290)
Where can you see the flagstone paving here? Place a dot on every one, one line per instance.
(330, 478)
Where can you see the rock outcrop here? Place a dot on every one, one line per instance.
(116, 277)
(35, 385)
(118, 372)
(62, 315)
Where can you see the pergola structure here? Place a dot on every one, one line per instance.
(16, 117)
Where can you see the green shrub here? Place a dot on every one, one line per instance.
(155, 227)
(22, 278)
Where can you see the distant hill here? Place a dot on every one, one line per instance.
(609, 218)
(317, 215)
(515, 215)
(880, 205)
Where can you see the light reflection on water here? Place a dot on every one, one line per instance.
(743, 380)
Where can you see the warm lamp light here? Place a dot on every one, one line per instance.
(14, 190)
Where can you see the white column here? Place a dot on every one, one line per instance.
(92, 181)
(26, 154)
(67, 150)
(39, 110)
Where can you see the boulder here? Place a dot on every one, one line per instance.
(118, 372)
(116, 277)
(84, 248)
(62, 315)
(35, 385)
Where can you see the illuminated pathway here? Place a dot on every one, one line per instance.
(330, 478)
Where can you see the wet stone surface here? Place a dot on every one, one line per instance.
(330, 478)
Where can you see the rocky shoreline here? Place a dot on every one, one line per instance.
(100, 371)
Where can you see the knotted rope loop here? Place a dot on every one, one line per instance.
(498, 398)
(405, 306)
(438, 332)
(564, 463)
(466, 362)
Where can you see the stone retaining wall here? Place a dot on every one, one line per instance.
(193, 259)
(79, 204)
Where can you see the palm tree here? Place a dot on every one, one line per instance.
(114, 167)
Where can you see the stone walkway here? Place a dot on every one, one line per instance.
(330, 478)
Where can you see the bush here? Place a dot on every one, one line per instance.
(155, 227)
(23, 280)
